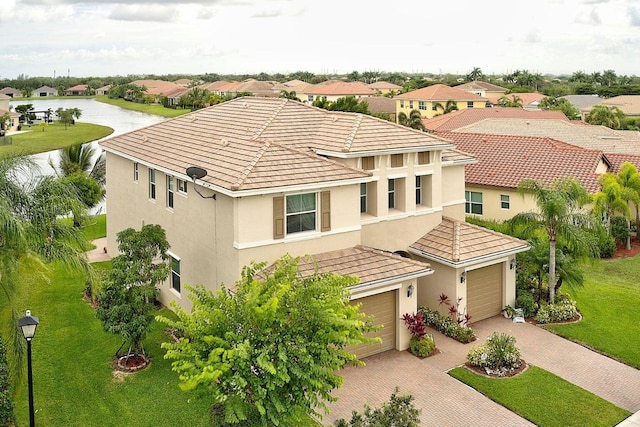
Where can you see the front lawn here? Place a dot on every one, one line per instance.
(157, 109)
(53, 137)
(609, 304)
(545, 399)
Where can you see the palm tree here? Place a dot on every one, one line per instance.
(514, 102)
(560, 216)
(629, 180)
(609, 116)
(609, 200)
(448, 107)
(289, 95)
(475, 74)
(414, 120)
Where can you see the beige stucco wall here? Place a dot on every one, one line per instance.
(407, 105)
(453, 192)
(491, 205)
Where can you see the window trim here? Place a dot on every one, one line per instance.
(419, 197)
(182, 186)
(152, 184)
(505, 204)
(288, 215)
(173, 273)
(391, 193)
(170, 191)
(363, 197)
(136, 171)
(469, 204)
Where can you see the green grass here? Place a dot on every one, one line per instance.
(609, 304)
(545, 399)
(156, 109)
(54, 137)
(96, 228)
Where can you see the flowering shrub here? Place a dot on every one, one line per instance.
(416, 324)
(446, 325)
(454, 310)
(565, 309)
(498, 355)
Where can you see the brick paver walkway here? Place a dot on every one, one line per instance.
(445, 401)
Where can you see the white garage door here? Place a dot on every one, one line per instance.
(484, 292)
(383, 308)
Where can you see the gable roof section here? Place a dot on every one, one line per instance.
(338, 88)
(628, 104)
(576, 133)
(618, 159)
(457, 243)
(583, 101)
(440, 92)
(382, 85)
(380, 104)
(505, 160)
(156, 87)
(527, 98)
(255, 143)
(480, 85)
(460, 118)
(77, 88)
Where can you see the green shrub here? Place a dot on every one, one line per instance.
(564, 309)
(422, 347)
(446, 325)
(526, 302)
(399, 411)
(498, 354)
(6, 404)
(619, 228)
(607, 245)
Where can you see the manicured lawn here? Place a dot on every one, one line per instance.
(54, 137)
(156, 109)
(545, 399)
(609, 304)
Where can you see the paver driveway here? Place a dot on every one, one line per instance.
(444, 401)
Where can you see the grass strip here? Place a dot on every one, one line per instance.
(157, 109)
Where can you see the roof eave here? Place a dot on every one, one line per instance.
(391, 280)
(471, 261)
(356, 154)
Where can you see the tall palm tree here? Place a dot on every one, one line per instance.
(511, 101)
(629, 180)
(609, 116)
(413, 120)
(448, 107)
(559, 216)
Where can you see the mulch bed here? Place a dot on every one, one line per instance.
(622, 252)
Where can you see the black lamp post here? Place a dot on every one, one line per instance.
(28, 324)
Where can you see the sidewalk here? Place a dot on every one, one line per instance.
(100, 252)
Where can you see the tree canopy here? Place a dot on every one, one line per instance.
(269, 351)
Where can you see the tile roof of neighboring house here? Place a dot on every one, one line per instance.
(371, 266)
(177, 92)
(380, 104)
(229, 87)
(440, 92)
(257, 143)
(338, 88)
(456, 157)
(460, 118)
(583, 101)
(628, 104)
(457, 243)
(479, 85)
(528, 98)
(77, 88)
(256, 87)
(3, 96)
(617, 160)
(156, 87)
(103, 88)
(505, 160)
(9, 90)
(384, 86)
(184, 82)
(213, 86)
(46, 89)
(575, 133)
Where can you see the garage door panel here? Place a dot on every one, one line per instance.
(383, 309)
(484, 292)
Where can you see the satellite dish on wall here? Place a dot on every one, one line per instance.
(196, 172)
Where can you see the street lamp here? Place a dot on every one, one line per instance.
(28, 324)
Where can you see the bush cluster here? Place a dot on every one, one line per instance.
(446, 325)
(499, 352)
(6, 404)
(422, 347)
(526, 302)
(398, 411)
(563, 309)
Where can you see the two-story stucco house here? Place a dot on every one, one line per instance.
(364, 197)
(431, 100)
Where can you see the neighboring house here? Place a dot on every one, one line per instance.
(156, 88)
(185, 82)
(385, 87)
(381, 105)
(254, 87)
(428, 99)
(628, 104)
(529, 100)
(104, 90)
(361, 195)
(491, 184)
(77, 90)
(583, 102)
(173, 96)
(461, 118)
(483, 89)
(5, 108)
(44, 91)
(11, 92)
(334, 90)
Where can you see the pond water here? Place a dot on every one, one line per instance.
(120, 119)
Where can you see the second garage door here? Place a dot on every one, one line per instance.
(484, 292)
(383, 308)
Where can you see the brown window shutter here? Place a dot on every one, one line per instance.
(278, 217)
(325, 208)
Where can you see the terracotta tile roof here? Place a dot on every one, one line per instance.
(460, 118)
(458, 243)
(384, 86)
(628, 104)
(77, 88)
(177, 92)
(380, 104)
(156, 87)
(575, 133)
(479, 85)
(229, 87)
(11, 91)
(371, 266)
(525, 98)
(256, 87)
(505, 160)
(617, 160)
(253, 143)
(340, 89)
(213, 86)
(440, 92)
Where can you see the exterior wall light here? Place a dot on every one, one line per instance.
(463, 277)
(410, 290)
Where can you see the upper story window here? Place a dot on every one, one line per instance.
(182, 186)
(473, 203)
(391, 193)
(152, 184)
(424, 157)
(504, 201)
(397, 160)
(170, 191)
(422, 105)
(301, 212)
(469, 104)
(136, 171)
(368, 163)
(363, 197)
(434, 106)
(310, 98)
(402, 103)
(297, 213)
(175, 273)
(411, 104)
(418, 190)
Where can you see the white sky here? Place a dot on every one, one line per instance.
(119, 37)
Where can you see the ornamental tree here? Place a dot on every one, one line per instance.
(268, 353)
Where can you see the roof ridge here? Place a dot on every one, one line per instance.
(352, 135)
(456, 241)
(270, 119)
(247, 170)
